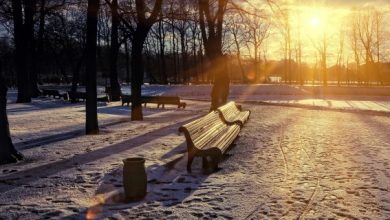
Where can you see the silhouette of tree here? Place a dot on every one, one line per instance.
(114, 84)
(236, 26)
(92, 126)
(257, 31)
(8, 153)
(282, 12)
(211, 25)
(143, 26)
(23, 76)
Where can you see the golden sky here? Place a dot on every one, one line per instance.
(313, 20)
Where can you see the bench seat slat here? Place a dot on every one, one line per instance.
(200, 129)
(225, 139)
(202, 140)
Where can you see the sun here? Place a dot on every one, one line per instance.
(315, 22)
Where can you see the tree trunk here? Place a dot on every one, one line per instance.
(212, 40)
(29, 11)
(127, 63)
(115, 87)
(20, 54)
(256, 59)
(220, 90)
(161, 33)
(76, 76)
(176, 75)
(143, 26)
(324, 63)
(184, 57)
(243, 76)
(137, 71)
(40, 41)
(91, 105)
(8, 153)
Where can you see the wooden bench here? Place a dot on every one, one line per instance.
(126, 99)
(54, 93)
(209, 137)
(231, 114)
(77, 96)
(170, 100)
(159, 100)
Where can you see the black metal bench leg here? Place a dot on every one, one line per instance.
(190, 159)
(209, 164)
(205, 163)
(214, 164)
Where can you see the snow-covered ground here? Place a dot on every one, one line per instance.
(287, 163)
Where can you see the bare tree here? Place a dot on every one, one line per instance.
(211, 16)
(340, 56)
(161, 36)
(182, 25)
(378, 18)
(282, 13)
(114, 84)
(143, 26)
(257, 32)
(23, 76)
(91, 124)
(366, 37)
(321, 46)
(8, 153)
(236, 27)
(355, 43)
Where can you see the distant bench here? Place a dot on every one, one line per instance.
(77, 96)
(211, 135)
(159, 100)
(54, 93)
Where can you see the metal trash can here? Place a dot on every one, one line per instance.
(134, 179)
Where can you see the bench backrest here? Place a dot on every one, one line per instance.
(201, 131)
(229, 110)
(154, 99)
(161, 99)
(169, 99)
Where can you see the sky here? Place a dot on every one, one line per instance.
(325, 18)
(316, 18)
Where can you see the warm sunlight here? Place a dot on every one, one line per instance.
(315, 22)
(194, 109)
(317, 19)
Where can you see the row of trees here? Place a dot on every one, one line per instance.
(137, 22)
(171, 41)
(357, 45)
(175, 43)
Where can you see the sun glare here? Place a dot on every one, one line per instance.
(315, 22)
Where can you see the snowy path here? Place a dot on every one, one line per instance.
(369, 105)
(288, 163)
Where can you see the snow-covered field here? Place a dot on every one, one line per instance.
(288, 163)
